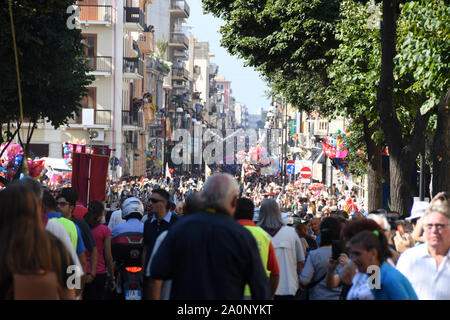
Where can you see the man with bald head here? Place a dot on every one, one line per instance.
(208, 255)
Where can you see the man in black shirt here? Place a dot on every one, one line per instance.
(159, 220)
(209, 255)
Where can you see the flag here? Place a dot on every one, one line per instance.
(207, 171)
(168, 171)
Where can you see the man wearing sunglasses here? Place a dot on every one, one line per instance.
(427, 266)
(159, 220)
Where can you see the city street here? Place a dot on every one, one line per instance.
(210, 150)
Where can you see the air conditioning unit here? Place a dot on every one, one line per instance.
(97, 135)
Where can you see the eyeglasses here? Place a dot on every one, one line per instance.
(62, 204)
(439, 226)
(441, 196)
(153, 200)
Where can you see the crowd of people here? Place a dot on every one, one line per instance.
(222, 238)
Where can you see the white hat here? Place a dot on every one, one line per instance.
(418, 209)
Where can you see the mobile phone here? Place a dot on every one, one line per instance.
(401, 229)
(336, 248)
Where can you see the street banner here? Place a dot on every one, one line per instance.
(89, 173)
(168, 172)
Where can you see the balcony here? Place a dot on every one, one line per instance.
(133, 68)
(95, 14)
(156, 64)
(181, 54)
(133, 19)
(146, 43)
(179, 40)
(100, 65)
(319, 127)
(133, 118)
(180, 74)
(92, 118)
(179, 9)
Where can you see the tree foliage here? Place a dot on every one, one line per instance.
(286, 40)
(424, 50)
(52, 67)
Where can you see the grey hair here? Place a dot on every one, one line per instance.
(382, 218)
(270, 214)
(441, 207)
(219, 190)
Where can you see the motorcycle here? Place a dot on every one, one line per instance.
(127, 250)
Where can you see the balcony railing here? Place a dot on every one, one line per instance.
(91, 12)
(181, 5)
(100, 63)
(101, 117)
(132, 118)
(134, 15)
(133, 65)
(179, 39)
(180, 73)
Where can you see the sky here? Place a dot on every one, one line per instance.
(247, 86)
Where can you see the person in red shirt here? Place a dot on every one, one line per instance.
(79, 211)
(244, 216)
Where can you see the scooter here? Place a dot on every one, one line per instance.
(127, 250)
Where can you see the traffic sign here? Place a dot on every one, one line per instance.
(305, 172)
(290, 167)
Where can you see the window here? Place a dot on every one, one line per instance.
(87, 102)
(90, 51)
(38, 150)
(90, 100)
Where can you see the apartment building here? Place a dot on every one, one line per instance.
(114, 112)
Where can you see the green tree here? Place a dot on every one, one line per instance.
(405, 91)
(53, 71)
(424, 58)
(286, 40)
(354, 76)
(292, 43)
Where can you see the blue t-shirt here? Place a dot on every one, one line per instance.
(132, 225)
(394, 285)
(80, 243)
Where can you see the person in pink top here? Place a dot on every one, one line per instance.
(96, 279)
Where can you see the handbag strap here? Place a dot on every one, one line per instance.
(312, 284)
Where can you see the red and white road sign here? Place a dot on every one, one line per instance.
(305, 173)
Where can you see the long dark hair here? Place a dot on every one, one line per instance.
(95, 211)
(25, 246)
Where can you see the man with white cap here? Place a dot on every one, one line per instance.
(417, 212)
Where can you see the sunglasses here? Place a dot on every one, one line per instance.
(441, 196)
(153, 200)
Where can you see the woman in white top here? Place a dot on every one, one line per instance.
(288, 248)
